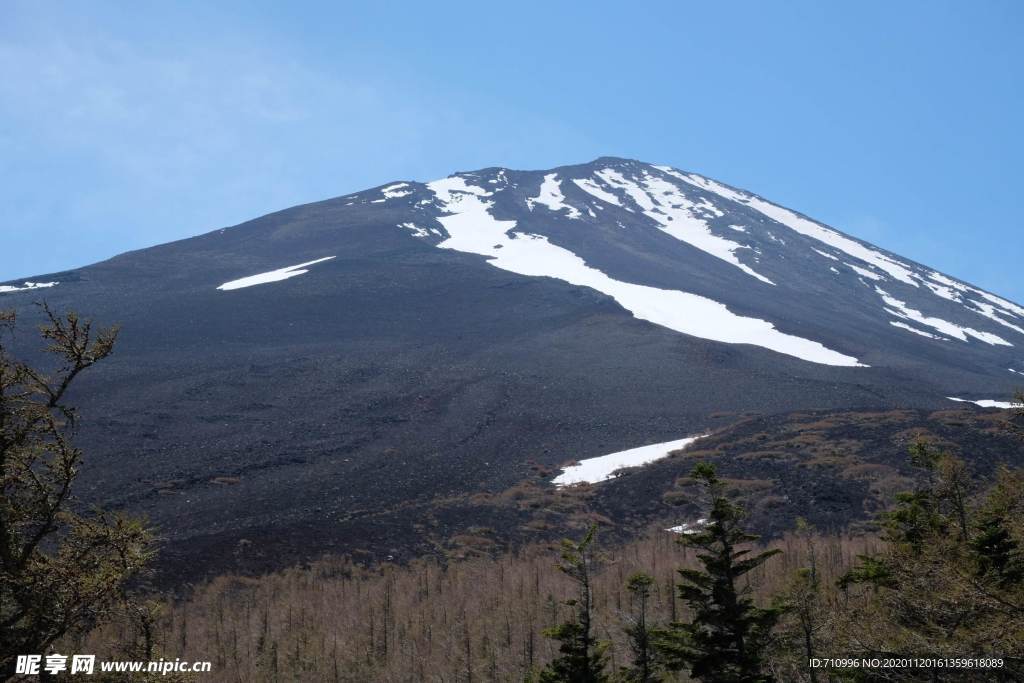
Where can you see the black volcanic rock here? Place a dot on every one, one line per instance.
(446, 335)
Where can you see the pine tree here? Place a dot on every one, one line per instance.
(949, 579)
(726, 637)
(805, 622)
(638, 632)
(998, 556)
(581, 658)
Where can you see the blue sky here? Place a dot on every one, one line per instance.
(124, 125)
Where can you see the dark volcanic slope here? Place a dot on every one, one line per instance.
(450, 332)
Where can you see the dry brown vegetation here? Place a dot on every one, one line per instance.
(474, 620)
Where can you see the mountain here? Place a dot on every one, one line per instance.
(321, 377)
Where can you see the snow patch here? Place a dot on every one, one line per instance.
(594, 470)
(26, 286)
(416, 230)
(393, 191)
(675, 214)
(472, 229)
(271, 276)
(907, 327)
(989, 311)
(804, 226)
(593, 189)
(870, 274)
(551, 196)
(988, 403)
(994, 307)
(689, 528)
(901, 310)
(1012, 308)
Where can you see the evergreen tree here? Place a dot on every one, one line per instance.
(727, 635)
(638, 632)
(996, 546)
(581, 658)
(806, 612)
(949, 579)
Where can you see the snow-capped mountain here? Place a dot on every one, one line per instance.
(424, 339)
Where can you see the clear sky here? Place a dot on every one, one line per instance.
(124, 125)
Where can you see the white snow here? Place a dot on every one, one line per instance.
(1015, 371)
(592, 188)
(594, 470)
(870, 274)
(472, 229)
(615, 179)
(899, 271)
(988, 403)
(393, 191)
(416, 230)
(25, 286)
(901, 310)
(689, 528)
(995, 308)
(989, 311)
(551, 196)
(905, 326)
(944, 287)
(826, 254)
(675, 214)
(1012, 308)
(271, 276)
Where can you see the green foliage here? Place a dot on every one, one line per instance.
(581, 658)
(871, 570)
(726, 637)
(949, 580)
(805, 618)
(61, 571)
(996, 546)
(638, 632)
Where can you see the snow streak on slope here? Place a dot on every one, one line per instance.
(904, 326)
(471, 228)
(593, 189)
(994, 308)
(989, 311)
(25, 286)
(897, 270)
(988, 403)
(594, 470)
(901, 310)
(675, 214)
(551, 196)
(271, 276)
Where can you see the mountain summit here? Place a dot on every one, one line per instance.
(421, 340)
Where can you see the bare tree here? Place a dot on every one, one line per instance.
(61, 569)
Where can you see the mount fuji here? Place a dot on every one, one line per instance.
(327, 371)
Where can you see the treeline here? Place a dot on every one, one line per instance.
(943, 579)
